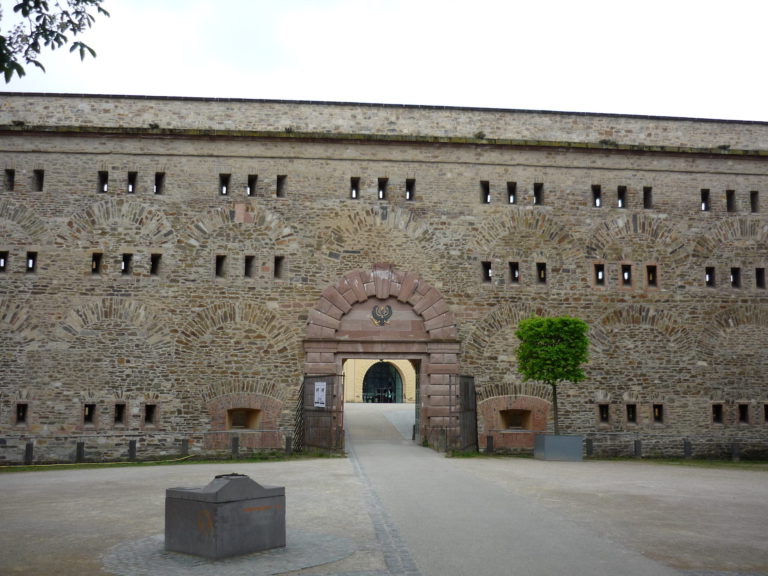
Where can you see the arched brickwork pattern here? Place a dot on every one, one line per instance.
(15, 317)
(279, 233)
(654, 229)
(383, 282)
(245, 387)
(740, 230)
(132, 219)
(639, 315)
(726, 321)
(500, 318)
(529, 388)
(24, 218)
(121, 310)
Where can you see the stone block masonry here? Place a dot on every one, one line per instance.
(171, 269)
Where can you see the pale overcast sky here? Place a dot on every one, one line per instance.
(692, 58)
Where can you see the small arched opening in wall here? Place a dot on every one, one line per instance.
(381, 315)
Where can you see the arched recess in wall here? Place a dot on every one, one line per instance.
(263, 222)
(19, 224)
(740, 231)
(638, 237)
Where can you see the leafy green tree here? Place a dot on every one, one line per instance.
(552, 350)
(45, 24)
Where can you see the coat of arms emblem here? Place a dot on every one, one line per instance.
(380, 315)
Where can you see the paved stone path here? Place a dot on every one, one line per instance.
(393, 508)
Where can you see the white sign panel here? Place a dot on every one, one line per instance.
(319, 394)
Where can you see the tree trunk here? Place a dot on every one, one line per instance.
(554, 408)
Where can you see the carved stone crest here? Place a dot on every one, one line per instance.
(380, 315)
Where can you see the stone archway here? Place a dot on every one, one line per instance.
(387, 313)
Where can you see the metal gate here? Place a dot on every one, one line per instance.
(463, 403)
(320, 413)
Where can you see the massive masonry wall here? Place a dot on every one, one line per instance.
(207, 323)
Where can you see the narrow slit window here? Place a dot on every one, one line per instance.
(658, 413)
(754, 201)
(132, 179)
(354, 188)
(22, 413)
(651, 276)
(760, 278)
(538, 193)
(159, 186)
(514, 272)
(709, 276)
(278, 269)
(487, 271)
(96, 262)
(250, 186)
(10, 179)
(31, 262)
(600, 274)
(705, 206)
(717, 413)
(126, 263)
(765, 413)
(248, 266)
(632, 413)
(224, 184)
(604, 413)
(485, 191)
(541, 272)
(3, 261)
(647, 198)
(150, 414)
(103, 182)
(119, 414)
(383, 188)
(735, 277)
(410, 189)
(512, 192)
(626, 275)
(221, 265)
(743, 413)
(730, 201)
(38, 180)
(597, 196)
(621, 197)
(280, 185)
(154, 264)
(89, 413)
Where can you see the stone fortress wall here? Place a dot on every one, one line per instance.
(131, 286)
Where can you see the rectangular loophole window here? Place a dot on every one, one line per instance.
(485, 191)
(250, 186)
(383, 188)
(538, 193)
(243, 418)
(248, 266)
(154, 264)
(410, 189)
(604, 413)
(89, 413)
(516, 419)
(487, 271)
(103, 182)
(632, 413)
(280, 185)
(3, 261)
(354, 187)
(765, 413)
(705, 205)
(709, 276)
(599, 274)
(647, 198)
(514, 272)
(133, 177)
(150, 414)
(126, 263)
(626, 275)
(658, 413)
(735, 277)
(541, 272)
(621, 197)
(597, 196)
(760, 278)
(38, 180)
(717, 413)
(278, 269)
(512, 192)
(730, 201)
(119, 414)
(22, 412)
(743, 413)
(224, 184)
(31, 262)
(159, 186)
(221, 265)
(651, 276)
(9, 180)
(96, 261)
(754, 201)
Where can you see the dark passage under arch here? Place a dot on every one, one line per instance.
(382, 384)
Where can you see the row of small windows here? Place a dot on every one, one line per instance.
(744, 413)
(90, 414)
(382, 188)
(731, 203)
(221, 269)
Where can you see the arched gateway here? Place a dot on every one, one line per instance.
(380, 313)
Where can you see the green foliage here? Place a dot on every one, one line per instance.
(45, 24)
